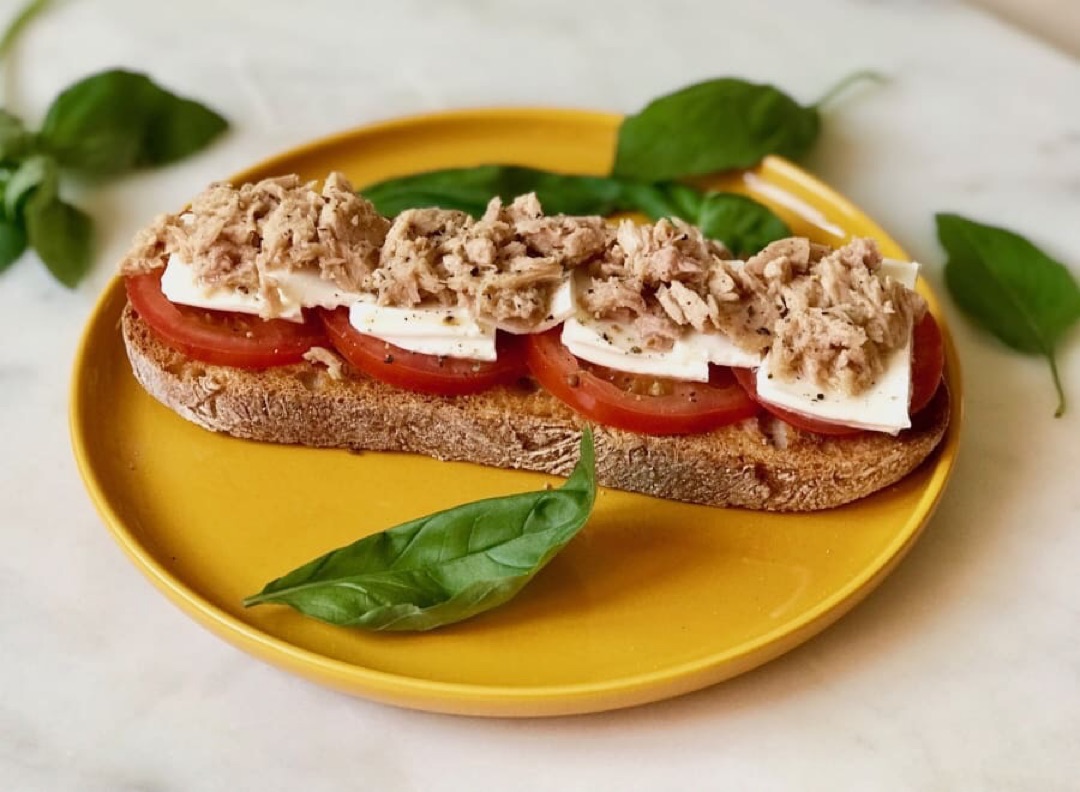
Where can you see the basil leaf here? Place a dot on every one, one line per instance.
(116, 121)
(12, 242)
(719, 125)
(445, 567)
(15, 141)
(713, 126)
(1010, 287)
(740, 222)
(61, 234)
(38, 173)
(470, 189)
(663, 199)
(743, 224)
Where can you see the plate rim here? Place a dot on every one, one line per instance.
(531, 700)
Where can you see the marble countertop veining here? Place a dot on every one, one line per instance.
(961, 672)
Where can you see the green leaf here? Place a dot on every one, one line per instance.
(663, 199)
(15, 141)
(740, 222)
(12, 242)
(470, 189)
(743, 224)
(37, 174)
(445, 567)
(713, 126)
(1010, 287)
(179, 128)
(116, 121)
(61, 234)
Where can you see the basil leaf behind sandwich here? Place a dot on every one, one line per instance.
(1010, 287)
(469, 190)
(738, 221)
(444, 567)
(718, 125)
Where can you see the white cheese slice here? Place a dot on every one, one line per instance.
(620, 347)
(561, 308)
(308, 289)
(296, 290)
(905, 272)
(882, 408)
(451, 332)
(178, 284)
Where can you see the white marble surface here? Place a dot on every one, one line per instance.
(961, 672)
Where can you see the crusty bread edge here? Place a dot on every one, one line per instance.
(759, 463)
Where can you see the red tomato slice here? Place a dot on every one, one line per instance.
(927, 365)
(443, 376)
(927, 362)
(221, 337)
(644, 404)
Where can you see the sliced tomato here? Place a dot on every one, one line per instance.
(221, 337)
(927, 362)
(649, 405)
(927, 365)
(443, 376)
(748, 380)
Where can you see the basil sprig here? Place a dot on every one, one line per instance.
(1010, 287)
(712, 126)
(445, 567)
(103, 126)
(742, 223)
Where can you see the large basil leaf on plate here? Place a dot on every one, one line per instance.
(444, 567)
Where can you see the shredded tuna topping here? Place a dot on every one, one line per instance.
(505, 267)
(244, 238)
(652, 276)
(824, 315)
(836, 319)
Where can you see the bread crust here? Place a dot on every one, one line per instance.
(760, 463)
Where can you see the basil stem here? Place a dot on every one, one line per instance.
(16, 26)
(445, 567)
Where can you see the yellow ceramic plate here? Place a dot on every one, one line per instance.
(652, 600)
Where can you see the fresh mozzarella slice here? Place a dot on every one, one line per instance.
(308, 289)
(620, 347)
(451, 332)
(178, 284)
(296, 291)
(882, 408)
(904, 272)
(722, 351)
(562, 308)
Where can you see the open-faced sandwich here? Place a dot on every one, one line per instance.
(284, 312)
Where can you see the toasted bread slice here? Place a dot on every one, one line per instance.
(759, 463)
